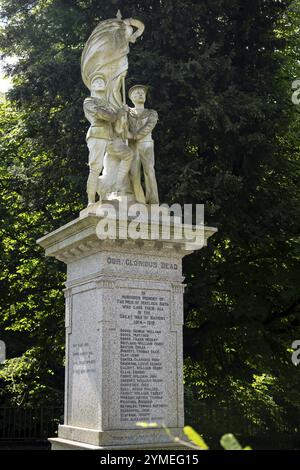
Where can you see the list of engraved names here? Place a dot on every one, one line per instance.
(143, 315)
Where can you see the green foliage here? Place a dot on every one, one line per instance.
(229, 442)
(195, 440)
(31, 312)
(220, 75)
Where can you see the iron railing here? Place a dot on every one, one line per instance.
(29, 423)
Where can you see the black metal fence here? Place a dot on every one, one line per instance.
(277, 431)
(29, 423)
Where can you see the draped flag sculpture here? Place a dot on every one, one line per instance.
(119, 138)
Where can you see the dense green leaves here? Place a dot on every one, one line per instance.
(31, 297)
(220, 75)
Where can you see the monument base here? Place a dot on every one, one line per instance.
(71, 437)
(124, 318)
(65, 444)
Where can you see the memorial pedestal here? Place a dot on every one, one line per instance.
(124, 317)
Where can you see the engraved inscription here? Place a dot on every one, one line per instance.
(142, 317)
(144, 264)
(83, 359)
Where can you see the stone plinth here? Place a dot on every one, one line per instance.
(124, 317)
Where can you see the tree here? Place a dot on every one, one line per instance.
(31, 287)
(220, 78)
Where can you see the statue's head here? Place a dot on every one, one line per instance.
(98, 84)
(138, 94)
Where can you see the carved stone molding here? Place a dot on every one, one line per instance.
(68, 311)
(106, 284)
(88, 247)
(178, 288)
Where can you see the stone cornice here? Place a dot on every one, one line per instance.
(78, 239)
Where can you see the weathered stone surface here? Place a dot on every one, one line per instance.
(124, 317)
(64, 444)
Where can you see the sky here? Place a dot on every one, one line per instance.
(5, 82)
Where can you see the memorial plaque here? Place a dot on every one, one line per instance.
(142, 317)
(144, 386)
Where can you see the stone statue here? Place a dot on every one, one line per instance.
(141, 124)
(106, 53)
(101, 116)
(104, 65)
(119, 138)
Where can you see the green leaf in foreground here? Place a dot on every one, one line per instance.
(229, 442)
(195, 437)
(146, 425)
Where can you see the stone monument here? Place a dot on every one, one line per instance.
(124, 294)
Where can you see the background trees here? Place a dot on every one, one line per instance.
(220, 74)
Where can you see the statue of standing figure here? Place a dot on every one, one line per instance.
(119, 138)
(101, 115)
(141, 124)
